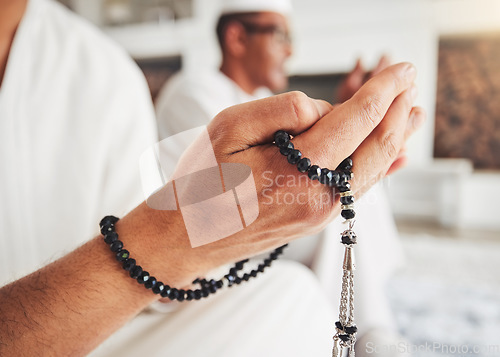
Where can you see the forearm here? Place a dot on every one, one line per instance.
(70, 306)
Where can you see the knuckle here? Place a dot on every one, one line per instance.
(389, 146)
(397, 81)
(299, 104)
(371, 110)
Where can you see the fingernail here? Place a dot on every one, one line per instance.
(414, 92)
(411, 71)
(417, 120)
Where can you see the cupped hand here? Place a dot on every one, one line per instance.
(371, 127)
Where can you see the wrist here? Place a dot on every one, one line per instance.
(158, 241)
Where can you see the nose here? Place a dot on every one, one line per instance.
(287, 46)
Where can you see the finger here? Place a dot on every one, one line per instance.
(400, 161)
(358, 67)
(380, 150)
(355, 77)
(397, 165)
(254, 123)
(415, 121)
(382, 64)
(341, 131)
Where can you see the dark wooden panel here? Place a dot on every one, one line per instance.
(158, 71)
(468, 100)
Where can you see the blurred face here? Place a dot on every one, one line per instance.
(268, 46)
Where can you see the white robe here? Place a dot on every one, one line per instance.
(75, 116)
(190, 100)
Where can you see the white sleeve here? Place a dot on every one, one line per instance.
(181, 107)
(130, 123)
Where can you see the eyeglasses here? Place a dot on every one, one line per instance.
(279, 35)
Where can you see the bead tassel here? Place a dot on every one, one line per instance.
(345, 336)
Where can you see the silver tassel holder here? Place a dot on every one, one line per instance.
(345, 336)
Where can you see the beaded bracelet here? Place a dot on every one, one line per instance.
(107, 227)
(345, 336)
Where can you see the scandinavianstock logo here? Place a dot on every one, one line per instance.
(181, 173)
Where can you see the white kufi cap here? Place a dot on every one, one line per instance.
(241, 6)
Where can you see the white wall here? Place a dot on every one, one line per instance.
(466, 16)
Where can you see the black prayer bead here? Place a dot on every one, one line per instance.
(135, 271)
(304, 164)
(347, 200)
(173, 294)
(108, 220)
(230, 278)
(346, 186)
(143, 277)
(351, 329)
(158, 288)
(281, 137)
(345, 338)
(261, 267)
(110, 237)
(166, 290)
(294, 156)
(237, 280)
(107, 228)
(348, 213)
(116, 246)
(197, 294)
(129, 264)
(343, 177)
(219, 284)
(239, 265)
(254, 273)
(346, 164)
(150, 283)
(339, 325)
(285, 150)
(326, 176)
(280, 249)
(314, 172)
(334, 182)
(181, 295)
(122, 255)
(346, 239)
(189, 295)
(205, 292)
(246, 277)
